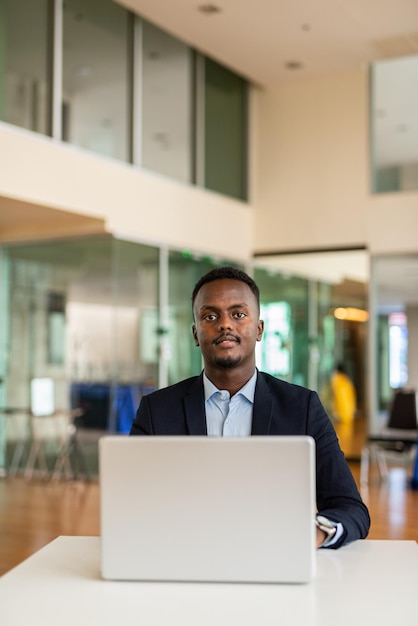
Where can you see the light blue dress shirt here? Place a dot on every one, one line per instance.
(232, 417)
(226, 416)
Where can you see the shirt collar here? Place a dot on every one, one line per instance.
(248, 390)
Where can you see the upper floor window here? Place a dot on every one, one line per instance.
(25, 55)
(394, 96)
(96, 77)
(123, 88)
(225, 137)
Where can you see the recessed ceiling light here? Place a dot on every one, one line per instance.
(209, 9)
(293, 65)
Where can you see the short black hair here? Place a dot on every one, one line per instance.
(219, 273)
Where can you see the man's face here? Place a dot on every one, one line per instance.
(227, 324)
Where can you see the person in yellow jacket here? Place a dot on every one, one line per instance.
(344, 400)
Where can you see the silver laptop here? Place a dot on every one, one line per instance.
(207, 509)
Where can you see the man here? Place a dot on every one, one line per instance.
(231, 398)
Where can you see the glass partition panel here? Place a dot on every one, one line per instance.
(96, 77)
(394, 97)
(25, 55)
(284, 350)
(135, 276)
(395, 360)
(328, 297)
(184, 272)
(83, 313)
(166, 104)
(225, 113)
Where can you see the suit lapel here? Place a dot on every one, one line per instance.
(194, 408)
(263, 407)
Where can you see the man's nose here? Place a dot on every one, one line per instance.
(225, 321)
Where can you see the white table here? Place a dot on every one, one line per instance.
(367, 582)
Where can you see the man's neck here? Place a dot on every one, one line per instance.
(230, 380)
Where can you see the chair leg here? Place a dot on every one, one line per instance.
(364, 466)
(63, 462)
(71, 449)
(382, 465)
(16, 458)
(36, 453)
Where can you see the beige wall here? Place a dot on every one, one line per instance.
(133, 203)
(311, 188)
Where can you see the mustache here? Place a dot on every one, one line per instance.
(227, 337)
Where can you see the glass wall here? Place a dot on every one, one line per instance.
(96, 97)
(25, 60)
(125, 89)
(184, 272)
(83, 314)
(395, 333)
(185, 359)
(167, 96)
(394, 102)
(284, 351)
(307, 297)
(225, 114)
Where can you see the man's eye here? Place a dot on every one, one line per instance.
(210, 317)
(240, 315)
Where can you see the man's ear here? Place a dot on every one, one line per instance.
(260, 329)
(196, 341)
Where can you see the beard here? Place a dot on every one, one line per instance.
(227, 363)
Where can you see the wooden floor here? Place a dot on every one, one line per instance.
(34, 512)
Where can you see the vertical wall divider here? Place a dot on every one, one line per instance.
(57, 71)
(163, 319)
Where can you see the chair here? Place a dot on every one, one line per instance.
(397, 440)
(70, 458)
(49, 435)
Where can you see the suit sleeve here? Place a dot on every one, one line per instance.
(142, 424)
(337, 495)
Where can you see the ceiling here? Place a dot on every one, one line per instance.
(395, 276)
(259, 38)
(23, 222)
(330, 267)
(275, 41)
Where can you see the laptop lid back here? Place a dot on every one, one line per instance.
(207, 509)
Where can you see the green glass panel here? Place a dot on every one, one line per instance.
(25, 47)
(96, 77)
(394, 136)
(102, 289)
(185, 269)
(225, 131)
(288, 298)
(166, 105)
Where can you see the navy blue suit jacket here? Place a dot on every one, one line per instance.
(280, 408)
